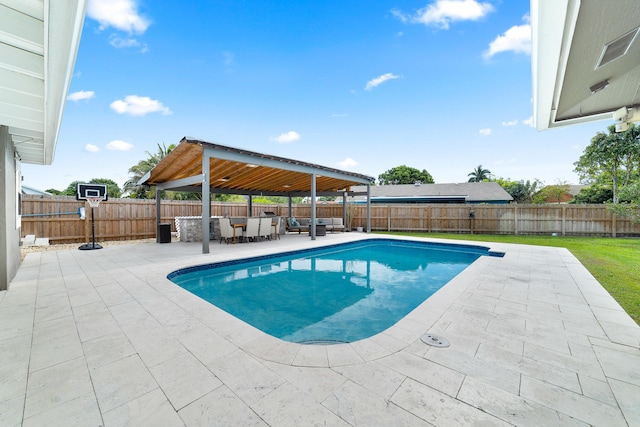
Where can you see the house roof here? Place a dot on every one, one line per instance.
(576, 188)
(467, 191)
(38, 45)
(585, 60)
(34, 191)
(238, 171)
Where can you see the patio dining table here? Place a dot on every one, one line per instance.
(236, 226)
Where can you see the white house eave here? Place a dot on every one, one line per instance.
(552, 27)
(38, 46)
(61, 50)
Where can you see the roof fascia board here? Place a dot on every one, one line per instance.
(277, 164)
(183, 182)
(550, 54)
(144, 178)
(63, 23)
(214, 190)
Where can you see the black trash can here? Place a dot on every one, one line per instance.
(164, 233)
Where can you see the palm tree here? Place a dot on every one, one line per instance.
(479, 174)
(139, 170)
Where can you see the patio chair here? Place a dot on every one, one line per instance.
(226, 231)
(265, 228)
(253, 229)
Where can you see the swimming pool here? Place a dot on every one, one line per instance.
(338, 293)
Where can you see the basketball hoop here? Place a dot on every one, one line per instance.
(94, 202)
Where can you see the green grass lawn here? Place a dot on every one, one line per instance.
(615, 263)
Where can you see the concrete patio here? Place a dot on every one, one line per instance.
(92, 338)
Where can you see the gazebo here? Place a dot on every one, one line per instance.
(206, 167)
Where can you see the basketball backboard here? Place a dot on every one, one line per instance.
(85, 191)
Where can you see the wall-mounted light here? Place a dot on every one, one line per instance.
(599, 86)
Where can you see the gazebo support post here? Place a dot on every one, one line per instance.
(250, 205)
(206, 201)
(312, 224)
(368, 208)
(344, 208)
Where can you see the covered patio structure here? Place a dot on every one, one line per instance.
(206, 167)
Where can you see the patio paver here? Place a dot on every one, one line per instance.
(103, 338)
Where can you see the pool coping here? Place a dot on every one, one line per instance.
(401, 335)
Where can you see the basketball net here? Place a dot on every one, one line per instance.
(94, 202)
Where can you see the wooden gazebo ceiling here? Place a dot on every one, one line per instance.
(240, 171)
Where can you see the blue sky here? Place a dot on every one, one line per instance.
(441, 85)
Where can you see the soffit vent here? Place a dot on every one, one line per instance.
(617, 48)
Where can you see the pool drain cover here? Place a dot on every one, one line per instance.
(434, 340)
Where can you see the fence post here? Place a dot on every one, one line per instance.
(515, 219)
(564, 212)
(614, 221)
(388, 217)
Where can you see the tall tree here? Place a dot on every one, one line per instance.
(521, 191)
(405, 175)
(593, 194)
(555, 193)
(140, 169)
(479, 174)
(630, 206)
(614, 155)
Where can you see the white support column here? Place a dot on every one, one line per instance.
(344, 210)
(312, 224)
(368, 208)
(206, 201)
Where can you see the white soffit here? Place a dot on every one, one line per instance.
(38, 45)
(570, 83)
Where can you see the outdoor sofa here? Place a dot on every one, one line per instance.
(302, 224)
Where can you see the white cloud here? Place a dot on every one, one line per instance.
(515, 39)
(336, 115)
(119, 14)
(443, 12)
(118, 145)
(286, 137)
(135, 105)
(485, 131)
(379, 80)
(81, 95)
(122, 43)
(91, 148)
(510, 123)
(347, 163)
(529, 121)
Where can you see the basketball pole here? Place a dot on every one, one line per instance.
(92, 245)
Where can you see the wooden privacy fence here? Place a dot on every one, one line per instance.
(56, 217)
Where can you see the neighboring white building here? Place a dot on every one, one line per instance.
(38, 46)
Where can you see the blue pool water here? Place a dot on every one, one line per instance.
(340, 293)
